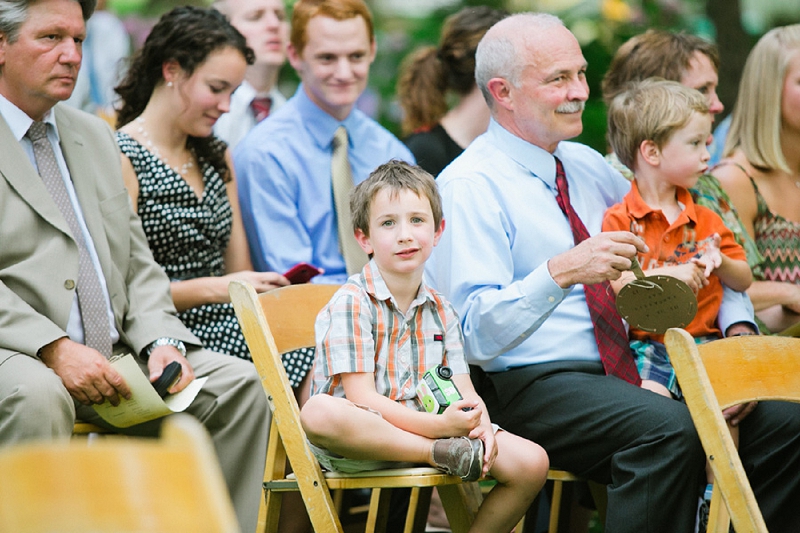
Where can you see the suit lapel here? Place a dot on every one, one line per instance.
(79, 161)
(21, 175)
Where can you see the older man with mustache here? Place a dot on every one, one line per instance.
(525, 264)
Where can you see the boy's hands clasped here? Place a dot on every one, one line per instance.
(456, 422)
(460, 423)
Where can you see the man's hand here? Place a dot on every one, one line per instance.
(740, 328)
(87, 375)
(164, 355)
(737, 413)
(600, 258)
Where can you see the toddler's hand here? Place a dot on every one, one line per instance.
(459, 421)
(689, 273)
(710, 257)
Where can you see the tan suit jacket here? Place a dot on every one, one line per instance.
(39, 257)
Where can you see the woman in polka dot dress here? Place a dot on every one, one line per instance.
(180, 177)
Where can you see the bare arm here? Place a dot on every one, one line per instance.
(734, 273)
(131, 181)
(740, 190)
(359, 388)
(237, 255)
(484, 431)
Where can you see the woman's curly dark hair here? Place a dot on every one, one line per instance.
(187, 35)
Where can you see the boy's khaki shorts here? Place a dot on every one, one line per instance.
(334, 462)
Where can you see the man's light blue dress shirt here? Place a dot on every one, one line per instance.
(283, 168)
(502, 226)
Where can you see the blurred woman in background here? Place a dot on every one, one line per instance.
(761, 172)
(180, 176)
(429, 75)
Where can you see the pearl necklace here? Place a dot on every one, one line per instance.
(183, 170)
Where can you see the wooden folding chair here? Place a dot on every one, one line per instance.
(281, 321)
(173, 483)
(289, 313)
(718, 375)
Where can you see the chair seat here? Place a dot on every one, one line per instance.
(383, 479)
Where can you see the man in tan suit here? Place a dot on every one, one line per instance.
(55, 248)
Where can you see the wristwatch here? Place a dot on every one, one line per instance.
(163, 341)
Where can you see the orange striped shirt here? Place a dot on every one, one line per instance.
(362, 330)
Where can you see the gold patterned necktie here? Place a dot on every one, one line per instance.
(92, 303)
(342, 183)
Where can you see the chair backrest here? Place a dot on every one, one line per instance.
(117, 484)
(287, 313)
(728, 372)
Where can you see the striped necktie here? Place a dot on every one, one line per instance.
(92, 303)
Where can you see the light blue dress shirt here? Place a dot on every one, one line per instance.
(502, 226)
(283, 167)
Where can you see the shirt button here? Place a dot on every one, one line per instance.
(403, 360)
(551, 299)
(69, 284)
(666, 238)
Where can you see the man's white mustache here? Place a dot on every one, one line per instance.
(571, 107)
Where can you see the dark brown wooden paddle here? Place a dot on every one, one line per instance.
(656, 303)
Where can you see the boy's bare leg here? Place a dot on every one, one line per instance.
(656, 387)
(521, 471)
(344, 428)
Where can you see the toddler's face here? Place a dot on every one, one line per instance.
(684, 157)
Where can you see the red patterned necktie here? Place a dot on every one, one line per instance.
(261, 106)
(609, 332)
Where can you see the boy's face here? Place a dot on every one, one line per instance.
(402, 232)
(334, 65)
(684, 157)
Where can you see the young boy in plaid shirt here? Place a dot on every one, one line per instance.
(377, 337)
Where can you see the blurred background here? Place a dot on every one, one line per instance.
(600, 26)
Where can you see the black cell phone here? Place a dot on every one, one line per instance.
(301, 273)
(170, 376)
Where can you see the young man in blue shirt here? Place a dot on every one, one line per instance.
(284, 164)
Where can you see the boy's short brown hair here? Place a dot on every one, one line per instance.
(650, 110)
(305, 10)
(396, 176)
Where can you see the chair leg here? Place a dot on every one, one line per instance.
(272, 508)
(378, 510)
(418, 506)
(555, 506)
(261, 526)
(461, 504)
(718, 517)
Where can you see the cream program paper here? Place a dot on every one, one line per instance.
(145, 403)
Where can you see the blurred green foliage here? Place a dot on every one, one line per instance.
(600, 26)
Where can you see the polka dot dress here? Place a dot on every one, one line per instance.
(188, 236)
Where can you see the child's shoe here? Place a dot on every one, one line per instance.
(459, 456)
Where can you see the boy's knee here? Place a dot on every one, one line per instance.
(316, 415)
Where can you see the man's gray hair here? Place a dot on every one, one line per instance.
(498, 53)
(13, 13)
